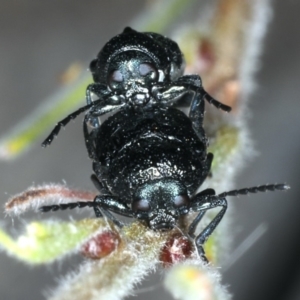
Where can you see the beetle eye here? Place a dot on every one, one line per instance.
(181, 200)
(141, 205)
(115, 77)
(147, 69)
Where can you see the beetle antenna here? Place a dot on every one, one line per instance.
(256, 189)
(64, 122)
(216, 103)
(65, 206)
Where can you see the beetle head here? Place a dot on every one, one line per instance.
(164, 55)
(132, 74)
(161, 203)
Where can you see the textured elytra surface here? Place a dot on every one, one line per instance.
(149, 145)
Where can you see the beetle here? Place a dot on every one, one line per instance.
(149, 158)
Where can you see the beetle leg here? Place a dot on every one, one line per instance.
(100, 186)
(101, 211)
(102, 205)
(186, 84)
(101, 92)
(202, 202)
(196, 115)
(196, 221)
(89, 138)
(95, 122)
(194, 83)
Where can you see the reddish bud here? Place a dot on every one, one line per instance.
(101, 245)
(176, 249)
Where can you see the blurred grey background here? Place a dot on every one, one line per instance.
(40, 39)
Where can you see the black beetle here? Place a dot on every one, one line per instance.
(149, 158)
